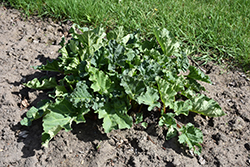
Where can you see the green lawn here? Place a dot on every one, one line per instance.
(214, 29)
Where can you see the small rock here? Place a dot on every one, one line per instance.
(36, 41)
(30, 161)
(239, 124)
(202, 161)
(232, 84)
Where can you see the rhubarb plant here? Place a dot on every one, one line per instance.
(113, 75)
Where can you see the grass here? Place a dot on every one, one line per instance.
(215, 29)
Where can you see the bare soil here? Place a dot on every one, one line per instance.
(28, 42)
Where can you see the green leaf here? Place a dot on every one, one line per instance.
(116, 53)
(197, 74)
(118, 35)
(80, 117)
(167, 45)
(52, 124)
(179, 84)
(71, 79)
(80, 96)
(44, 84)
(149, 70)
(101, 82)
(149, 98)
(35, 113)
(70, 65)
(138, 117)
(191, 136)
(132, 86)
(61, 115)
(172, 132)
(182, 62)
(144, 125)
(167, 93)
(189, 93)
(206, 106)
(50, 66)
(115, 115)
(109, 74)
(82, 71)
(194, 85)
(182, 107)
(60, 91)
(99, 59)
(91, 40)
(169, 121)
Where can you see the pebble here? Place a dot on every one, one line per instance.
(36, 41)
(239, 124)
(202, 161)
(31, 161)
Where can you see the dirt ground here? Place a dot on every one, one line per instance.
(28, 42)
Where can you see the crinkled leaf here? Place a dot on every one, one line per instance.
(101, 82)
(160, 58)
(99, 59)
(149, 70)
(192, 137)
(169, 121)
(50, 66)
(44, 84)
(91, 39)
(80, 96)
(35, 113)
(60, 91)
(182, 107)
(115, 115)
(194, 85)
(197, 74)
(97, 102)
(170, 76)
(182, 62)
(206, 106)
(149, 98)
(179, 84)
(167, 45)
(167, 93)
(64, 54)
(70, 65)
(118, 35)
(138, 117)
(132, 86)
(61, 115)
(80, 116)
(172, 132)
(116, 53)
(71, 79)
(52, 124)
(189, 93)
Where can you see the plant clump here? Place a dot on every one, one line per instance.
(112, 74)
